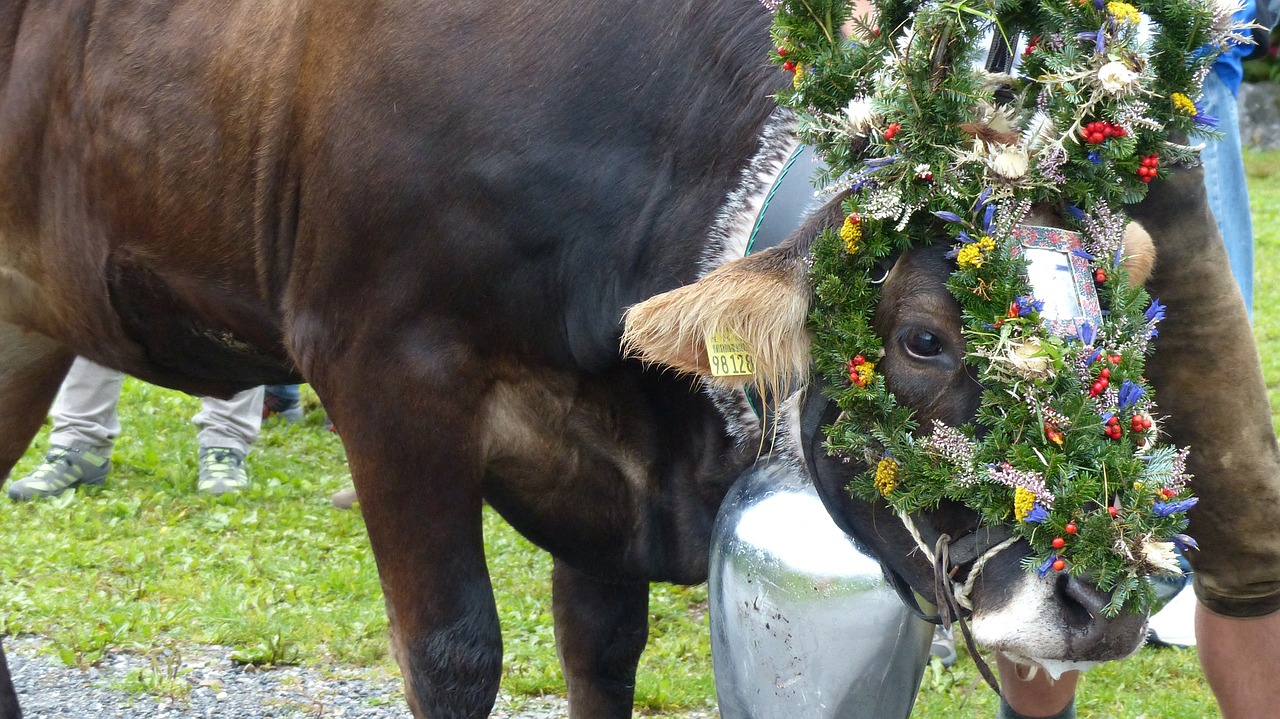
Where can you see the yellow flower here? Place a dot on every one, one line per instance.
(886, 476)
(1124, 12)
(851, 233)
(795, 81)
(974, 253)
(862, 374)
(1023, 502)
(1182, 103)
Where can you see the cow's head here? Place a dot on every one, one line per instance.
(1055, 621)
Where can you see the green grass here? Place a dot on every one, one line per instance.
(278, 576)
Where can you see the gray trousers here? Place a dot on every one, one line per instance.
(84, 413)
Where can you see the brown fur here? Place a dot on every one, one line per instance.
(763, 298)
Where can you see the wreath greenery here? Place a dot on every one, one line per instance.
(1068, 452)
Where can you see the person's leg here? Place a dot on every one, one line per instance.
(283, 400)
(230, 423)
(85, 426)
(228, 429)
(84, 412)
(1224, 180)
(1241, 659)
(1033, 695)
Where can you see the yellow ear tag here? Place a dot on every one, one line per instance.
(729, 355)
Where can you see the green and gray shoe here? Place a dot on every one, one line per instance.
(221, 470)
(63, 468)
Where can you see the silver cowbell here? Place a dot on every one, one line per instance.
(804, 624)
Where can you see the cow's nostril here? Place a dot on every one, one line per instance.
(1081, 601)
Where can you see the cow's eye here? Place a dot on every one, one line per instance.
(923, 343)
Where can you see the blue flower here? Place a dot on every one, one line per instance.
(1184, 542)
(1093, 357)
(1076, 212)
(1100, 37)
(1083, 254)
(982, 200)
(1043, 569)
(986, 218)
(965, 238)
(948, 216)
(1155, 312)
(1037, 514)
(1028, 304)
(1130, 393)
(1087, 336)
(1095, 157)
(1202, 118)
(1164, 509)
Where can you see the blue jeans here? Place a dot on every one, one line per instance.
(291, 394)
(1225, 183)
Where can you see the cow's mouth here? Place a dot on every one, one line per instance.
(1054, 622)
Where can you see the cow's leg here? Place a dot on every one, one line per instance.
(407, 429)
(601, 629)
(31, 370)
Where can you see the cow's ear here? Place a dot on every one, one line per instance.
(1139, 253)
(762, 299)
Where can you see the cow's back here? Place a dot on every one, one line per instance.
(518, 174)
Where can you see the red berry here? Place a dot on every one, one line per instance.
(1105, 373)
(1059, 542)
(1113, 421)
(1096, 389)
(1059, 565)
(1113, 511)
(1114, 359)
(1099, 275)
(782, 52)
(1167, 492)
(891, 130)
(1071, 528)
(789, 66)
(859, 359)
(1146, 423)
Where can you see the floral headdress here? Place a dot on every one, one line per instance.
(1069, 453)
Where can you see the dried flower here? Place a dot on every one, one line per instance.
(1160, 556)
(859, 115)
(851, 232)
(886, 476)
(1123, 12)
(1116, 77)
(1010, 162)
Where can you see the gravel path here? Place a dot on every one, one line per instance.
(211, 685)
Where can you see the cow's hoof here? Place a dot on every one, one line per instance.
(344, 499)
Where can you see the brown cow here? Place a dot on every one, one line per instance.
(435, 212)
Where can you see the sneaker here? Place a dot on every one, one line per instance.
(63, 468)
(287, 409)
(221, 470)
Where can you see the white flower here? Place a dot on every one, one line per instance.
(1160, 556)
(1009, 162)
(1116, 77)
(859, 115)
